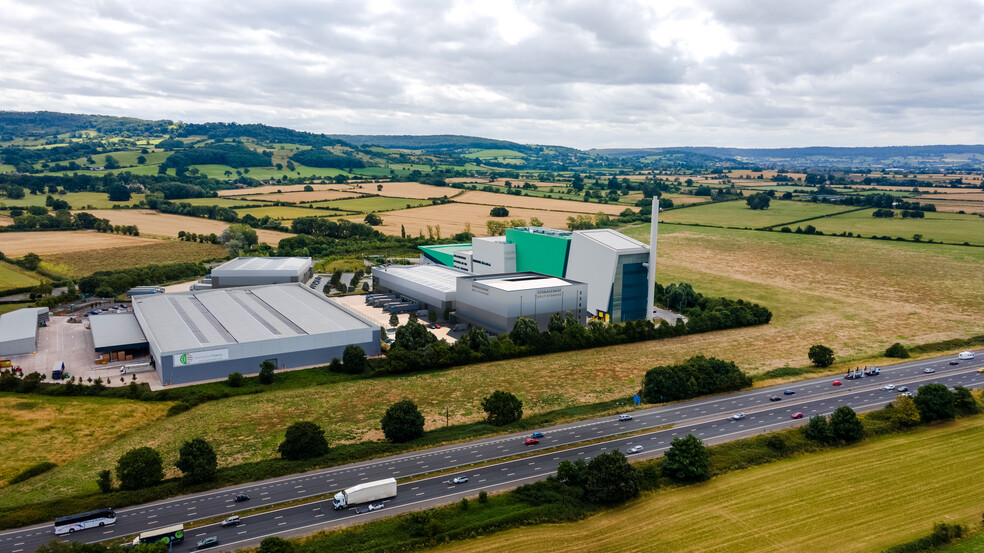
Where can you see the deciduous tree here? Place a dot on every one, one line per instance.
(303, 440)
(402, 422)
(139, 468)
(502, 408)
(197, 460)
(687, 460)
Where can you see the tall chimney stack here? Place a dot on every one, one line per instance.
(652, 258)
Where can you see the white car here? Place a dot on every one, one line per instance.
(888, 387)
(635, 449)
(459, 479)
(625, 417)
(231, 521)
(928, 370)
(374, 507)
(738, 416)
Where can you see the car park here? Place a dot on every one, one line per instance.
(537, 435)
(374, 507)
(459, 479)
(531, 441)
(797, 415)
(625, 417)
(242, 497)
(738, 416)
(210, 541)
(837, 383)
(231, 521)
(775, 398)
(929, 370)
(788, 393)
(635, 449)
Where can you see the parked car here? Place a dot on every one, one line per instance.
(459, 479)
(537, 435)
(210, 541)
(797, 415)
(775, 398)
(231, 521)
(738, 416)
(531, 441)
(374, 506)
(837, 383)
(242, 497)
(788, 393)
(929, 370)
(625, 417)
(635, 449)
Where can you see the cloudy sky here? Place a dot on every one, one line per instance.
(592, 73)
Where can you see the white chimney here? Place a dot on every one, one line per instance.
(652, 259)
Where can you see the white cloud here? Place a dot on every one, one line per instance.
(577, 72)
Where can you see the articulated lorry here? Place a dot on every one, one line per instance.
(365, 493)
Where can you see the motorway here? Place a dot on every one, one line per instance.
(707, 418)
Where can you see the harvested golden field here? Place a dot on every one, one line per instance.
(295, 197)
(532, 202)
(685, 199)
(66, 426)
(413, 190)
(4, 221)
(954, 206)
(452, 218)
(964, 196)
(159, 252)
(810, 503)
(45, 243)
(766, 174)
(164, 224)
(272, 189)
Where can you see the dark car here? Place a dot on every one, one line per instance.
(902, 389)
(242, 497)
(775, 398)
(208, 542)
(788, 393)
(537, 435)
(954, 362)
(531, 441)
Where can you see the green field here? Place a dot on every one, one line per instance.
(737, 214)
(138, 170)
(83, 263)
(378, 203)
(222, 202)
(266, 173)
(285, 212)
(8, 307)
(863, 498)
(953, 228)
(78, 200)
(492, 154)
(126, 158)
(12, 276)
(4, 168)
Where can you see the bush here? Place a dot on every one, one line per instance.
(943, 534)
(179, 408)
(935, 403)
(483, 497)
(845, 425)
(267, 369)
(335, 366)
(33, 471)
(303, 440)
(697, 376)
(197, 460)
(502, 408)
(818, 430)
(897, 351)
(139, 468)
(276, 545)
(236, 380)
(354, 359)
(105, 481)
(905, 414)
(402, 422)
(821, 356)
(610, 479)
(687, 460)
(499, 212)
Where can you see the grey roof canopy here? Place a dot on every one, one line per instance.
(116, 331)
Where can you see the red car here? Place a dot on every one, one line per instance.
(797, 415)
(837, 383)
(531, 441)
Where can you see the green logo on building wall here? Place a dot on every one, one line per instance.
(183, 359)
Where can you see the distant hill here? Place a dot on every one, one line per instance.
(432, 142)
(956, 156)
(30, 124)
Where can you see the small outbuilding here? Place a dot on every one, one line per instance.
(255, 271)
(19, 330)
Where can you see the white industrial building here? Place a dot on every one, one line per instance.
(255, 271)
(19, 330)
(430, 286)
(209, 334)
(494, 302)
(615, 267)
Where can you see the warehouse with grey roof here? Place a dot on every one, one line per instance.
(254, 271)
(209, 334)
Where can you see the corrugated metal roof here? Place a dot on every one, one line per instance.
(111, 330)
(435, 277)
(264, 264)
(523, 281)
(19, 324)
(183, 321)
(614, 240)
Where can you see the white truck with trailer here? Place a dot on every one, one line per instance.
(365, 493)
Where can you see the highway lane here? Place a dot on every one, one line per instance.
(708, 418)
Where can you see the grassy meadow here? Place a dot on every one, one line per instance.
(77, 264)
(863, 498)
(12, 276)
(737, 213)
(78, 200)
(952, 228)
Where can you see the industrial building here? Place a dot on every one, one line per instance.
(430, 286)
(614, 266)
(19, 330)
(209, 334)
(117, 332)
(494, 302)
(255, 271)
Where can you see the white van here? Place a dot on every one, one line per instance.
(965, 355)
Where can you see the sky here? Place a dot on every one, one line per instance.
(591, 73)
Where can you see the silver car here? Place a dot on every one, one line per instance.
(635, 449)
